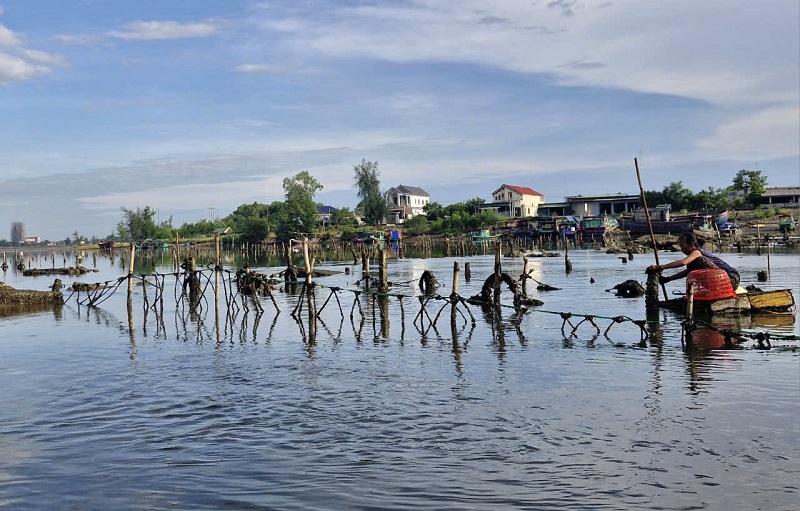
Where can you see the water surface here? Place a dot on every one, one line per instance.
(179, 413)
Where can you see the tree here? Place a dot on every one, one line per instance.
(678, 195)
(751, 183)
(474, 205)
(299, 212)
(434, 211)
(138, 225)
(416, 225)
(712, 199)
(343, 216)
(372, 203)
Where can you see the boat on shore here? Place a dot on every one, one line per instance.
(664, 222)
(786, 224)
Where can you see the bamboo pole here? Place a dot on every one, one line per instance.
(454, 297)
(130, 269)
(649, 223)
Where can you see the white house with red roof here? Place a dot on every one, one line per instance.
(514, 201)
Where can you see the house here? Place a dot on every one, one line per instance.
(222, 231)
(608, 204)
(325, 213)
(405, 202)
(514, 201)
(781, 196)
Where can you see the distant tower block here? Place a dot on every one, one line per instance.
(17, 232)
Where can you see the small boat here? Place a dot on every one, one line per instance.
(786, 224)
(661, 219)
(483, 238)
(721, 218)
(593, 228)
(369, 238)
(728, 229)
(568, 227)
(105, 244)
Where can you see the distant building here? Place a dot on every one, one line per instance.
(17, 232)
(405, 202)
(596, 205)
(221, 231)
(514, 201)
(32, 240)
(325, 213)
(781, 196)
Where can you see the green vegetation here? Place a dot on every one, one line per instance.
(372, 203)
(297, 213)
(749, 183)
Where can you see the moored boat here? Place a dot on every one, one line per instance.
(593, 228)
(786, 224)
(484, 237)
(661, 219)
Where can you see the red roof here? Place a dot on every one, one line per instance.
(524, 190)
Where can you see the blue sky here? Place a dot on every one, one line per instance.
(189, 105)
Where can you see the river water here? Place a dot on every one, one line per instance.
(240, 410)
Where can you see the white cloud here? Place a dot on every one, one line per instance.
(8, 38)
(18, 63)
(41, 57)
(158, 30)
(262, 68)
(188, 197)
(717, 50)
(15, 69)
(771, 133)
(79, 39)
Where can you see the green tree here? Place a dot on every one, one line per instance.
(299, 212)
(473, 205)
(372, 203)
(139, 224)
(416, 225)
(712, 199)
(434, 211)
(751, 183)
(253, 229)
(343, 216)
(678, 195)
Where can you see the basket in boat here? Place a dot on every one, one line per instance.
(710, 284)
(778, 300)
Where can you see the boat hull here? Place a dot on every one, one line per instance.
(659, 226)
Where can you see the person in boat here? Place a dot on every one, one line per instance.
(696, 259)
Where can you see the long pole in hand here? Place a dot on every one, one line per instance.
(649, 223)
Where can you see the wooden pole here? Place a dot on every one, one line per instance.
(649, 223)
(130, 269)
(497, 270)
(454, 297)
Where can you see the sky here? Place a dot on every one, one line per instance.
(194, 107)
